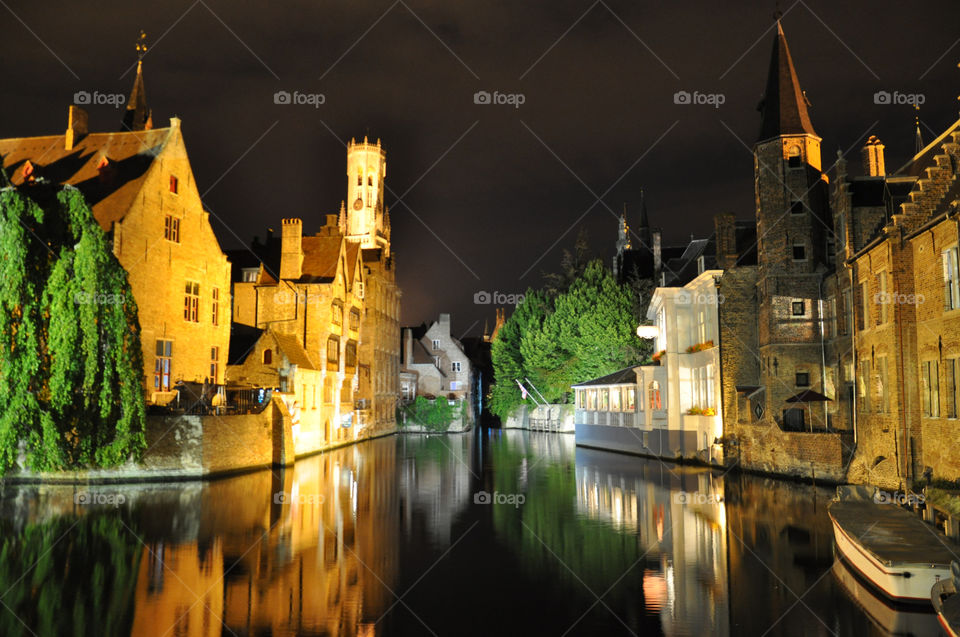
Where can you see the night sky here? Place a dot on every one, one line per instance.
(482, 197)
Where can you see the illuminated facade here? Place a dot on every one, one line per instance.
(142, 190)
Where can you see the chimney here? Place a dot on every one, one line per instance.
(873, 165)
(444, 321)
(725, 231)
(656, 250)
(291, 249)
(407, 347)
(76, 126)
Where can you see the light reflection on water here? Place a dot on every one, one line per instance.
(387, 538)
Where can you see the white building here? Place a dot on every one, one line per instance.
(672, 408)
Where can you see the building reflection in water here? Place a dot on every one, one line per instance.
(310, 550)
(679, 518)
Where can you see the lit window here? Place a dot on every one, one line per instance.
(333, 352)
(337, 316)
(191, 302)
(171, 228)
(214, 364)
(951, 279)
(162, 365)
(630, 399)
(215, 309)
(174, 185)
(655, 400)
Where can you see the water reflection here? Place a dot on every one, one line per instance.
(386, 538)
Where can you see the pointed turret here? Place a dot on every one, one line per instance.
(783, 109)
(643, 230)
(138, 115)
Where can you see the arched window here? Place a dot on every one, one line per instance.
(370, 180)
(655, 402)
(267, 356)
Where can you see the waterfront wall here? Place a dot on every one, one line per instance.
(557, 418)
(184, 447)
(765, 447)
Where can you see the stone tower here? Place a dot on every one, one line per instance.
(794, 247)
(367, 219)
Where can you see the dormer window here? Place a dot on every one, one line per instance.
(250, 275)
(174, 185)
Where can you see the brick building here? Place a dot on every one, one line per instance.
(333, 298)
(844, 328)
(141, 187)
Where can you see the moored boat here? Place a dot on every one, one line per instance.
(890, 547)
(946, 602)
(890, 617)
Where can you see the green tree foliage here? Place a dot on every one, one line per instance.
(70, 354)
(432, 415)
(68, 576)
(508, 363)
(587, 330)
(572, 265)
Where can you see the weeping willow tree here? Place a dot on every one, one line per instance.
(70, 355)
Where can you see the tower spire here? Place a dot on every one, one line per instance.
(137, 115)
(919, 137)
(783, 109)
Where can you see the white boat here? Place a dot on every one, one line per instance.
(890, 617)
(946, 602)
(890, 547)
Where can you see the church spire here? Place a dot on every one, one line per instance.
(919, 138)
(138, 115)
(783, 109)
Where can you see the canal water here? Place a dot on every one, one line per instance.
(484, 533)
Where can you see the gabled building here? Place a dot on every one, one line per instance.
(437, 363)
(139, 182)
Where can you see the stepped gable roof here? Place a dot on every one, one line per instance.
(625, 376)
(783, 110)
(108, 168)
(916, 166)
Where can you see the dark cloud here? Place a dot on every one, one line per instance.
(598, 101)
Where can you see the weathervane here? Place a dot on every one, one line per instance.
(141, 45)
